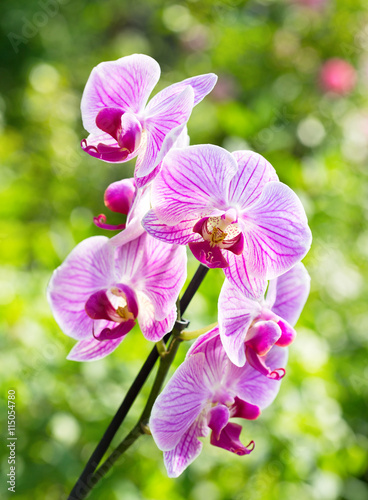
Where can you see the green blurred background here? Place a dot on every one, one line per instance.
(312, 442)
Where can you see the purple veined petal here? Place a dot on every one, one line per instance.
(255, 388)
(230, 440)
(187, 449)
(288, 334)
(162, 130)
(156, 151)
(235, 314)
(215, 365)
(134, 227)
(183, 139)
(180, 141)
(201, 85)
(288, 293)
(180, 403)
(92, 349)
(125, 84)
(262, 336)
(277, 231)
(238, 274)
(218, 417)
(154, 268)
(200, 344)
(193, 181)
(87, 269)
(180, 234)
(152, 328)
(253, 173)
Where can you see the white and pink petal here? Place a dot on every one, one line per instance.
(236, 313)
(87, 269)
(276, 232)
(180, 404)
(92, 349)
(287, 294)
(193, 181)
(253, 174)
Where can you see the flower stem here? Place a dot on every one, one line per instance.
(85, 482)
(141, 425)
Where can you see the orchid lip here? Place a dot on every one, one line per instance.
(118, 304)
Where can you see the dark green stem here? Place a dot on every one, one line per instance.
(140, 428)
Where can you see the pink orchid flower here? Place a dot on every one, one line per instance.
(120, 122)
(100, 291)
(250, 328)
(232, 211)
(203, 394)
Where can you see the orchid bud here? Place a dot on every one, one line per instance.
(119, 196)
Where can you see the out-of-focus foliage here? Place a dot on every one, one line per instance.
(312, 443)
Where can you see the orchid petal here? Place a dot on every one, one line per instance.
(92, 349)
(200, 344)
(155, 269)
(288, 293)
(176, 138)
(180, 234)
(201, 85)
(163, 129)
(236, 312)
(253, 387)
(180, 403)
(216, 359)
(276, 231)
(187, 449)
(86, 270)
(152, 328)
(193, 181)
(125, 84)
(253, 174)
(237, 273)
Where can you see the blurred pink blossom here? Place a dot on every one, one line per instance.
(338, 76)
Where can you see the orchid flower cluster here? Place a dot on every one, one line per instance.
(232, 212)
